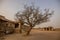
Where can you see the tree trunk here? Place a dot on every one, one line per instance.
(28, 32)
(20, 27)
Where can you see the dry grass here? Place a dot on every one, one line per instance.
(35, 35)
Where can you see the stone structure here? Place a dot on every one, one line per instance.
(6, 24)
(48, 29)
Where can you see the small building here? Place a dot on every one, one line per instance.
(48, 29)
(7, 25)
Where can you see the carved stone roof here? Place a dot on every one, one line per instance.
(4, 19)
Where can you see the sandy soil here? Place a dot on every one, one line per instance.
(35, 35)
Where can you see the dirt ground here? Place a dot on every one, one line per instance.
(35, 35)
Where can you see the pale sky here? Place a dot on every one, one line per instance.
(8, 8)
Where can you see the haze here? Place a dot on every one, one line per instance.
(9, 8)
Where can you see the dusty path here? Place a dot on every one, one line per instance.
(35, 35)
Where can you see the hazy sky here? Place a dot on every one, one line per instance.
(8, 8)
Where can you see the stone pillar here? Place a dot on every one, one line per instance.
(43, 29)
(52, 29)
(46, 29)
(49, 29)
(18, 29)
(19, 25)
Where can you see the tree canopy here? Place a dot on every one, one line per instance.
(33, 16)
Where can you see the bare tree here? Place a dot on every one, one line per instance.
(33, 16)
